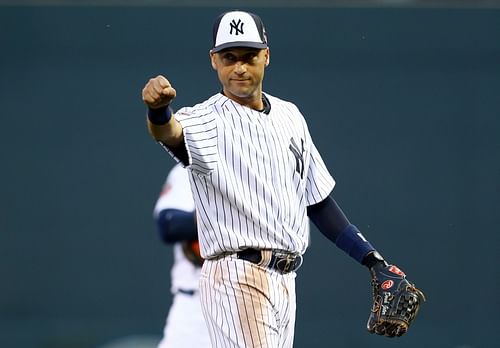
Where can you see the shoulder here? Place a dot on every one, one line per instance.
(277, 100)
(204, 108)
(285, 108)
(282, 104)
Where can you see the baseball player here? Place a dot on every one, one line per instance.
(256, 176)
(175, 219)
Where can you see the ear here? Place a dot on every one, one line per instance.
(212, 59)
(267, 55)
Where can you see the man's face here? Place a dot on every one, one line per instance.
(241, 71)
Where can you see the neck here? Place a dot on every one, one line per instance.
(253, 102)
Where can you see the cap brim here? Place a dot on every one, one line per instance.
(258, 45)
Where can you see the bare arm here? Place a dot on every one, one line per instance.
(157, 94)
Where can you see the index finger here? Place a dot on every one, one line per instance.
(163, 82)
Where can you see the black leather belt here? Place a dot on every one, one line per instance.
(280, 261)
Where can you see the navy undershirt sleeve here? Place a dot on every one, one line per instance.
(328, 218)
(176, 225)
(332, 222)
(181, 153)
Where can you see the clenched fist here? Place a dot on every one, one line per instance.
(158, 92)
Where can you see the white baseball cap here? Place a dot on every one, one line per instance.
(238, 29)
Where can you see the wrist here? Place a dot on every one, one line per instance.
(352, 242)
(373, 258)
(160, 116)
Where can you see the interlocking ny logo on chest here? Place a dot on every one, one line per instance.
(299, 156)
(236, 26)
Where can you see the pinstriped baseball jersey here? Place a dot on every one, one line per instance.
(252, 175)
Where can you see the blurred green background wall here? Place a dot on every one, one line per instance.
(403, 103)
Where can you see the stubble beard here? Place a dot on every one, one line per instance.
(246, 93)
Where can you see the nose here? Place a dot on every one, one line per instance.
(240, 68)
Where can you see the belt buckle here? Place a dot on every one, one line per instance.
(286, 263)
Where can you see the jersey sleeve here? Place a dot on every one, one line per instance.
(176, 192)
(319, 180)
(199, 127)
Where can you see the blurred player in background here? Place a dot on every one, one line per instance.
(175, 219)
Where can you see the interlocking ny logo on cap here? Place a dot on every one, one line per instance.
(238, 29)
(237, 26)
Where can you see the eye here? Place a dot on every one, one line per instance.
(250, 56)
(228, 57)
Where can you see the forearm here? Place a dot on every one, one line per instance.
(164, 127)
(332, 222)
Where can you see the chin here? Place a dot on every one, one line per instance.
(242, 93)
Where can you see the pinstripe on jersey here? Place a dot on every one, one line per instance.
(252, 175)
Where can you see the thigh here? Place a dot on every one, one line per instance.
(245, 305)
(288, 312)
(185, 318)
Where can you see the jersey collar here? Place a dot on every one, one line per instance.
(265, 101)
